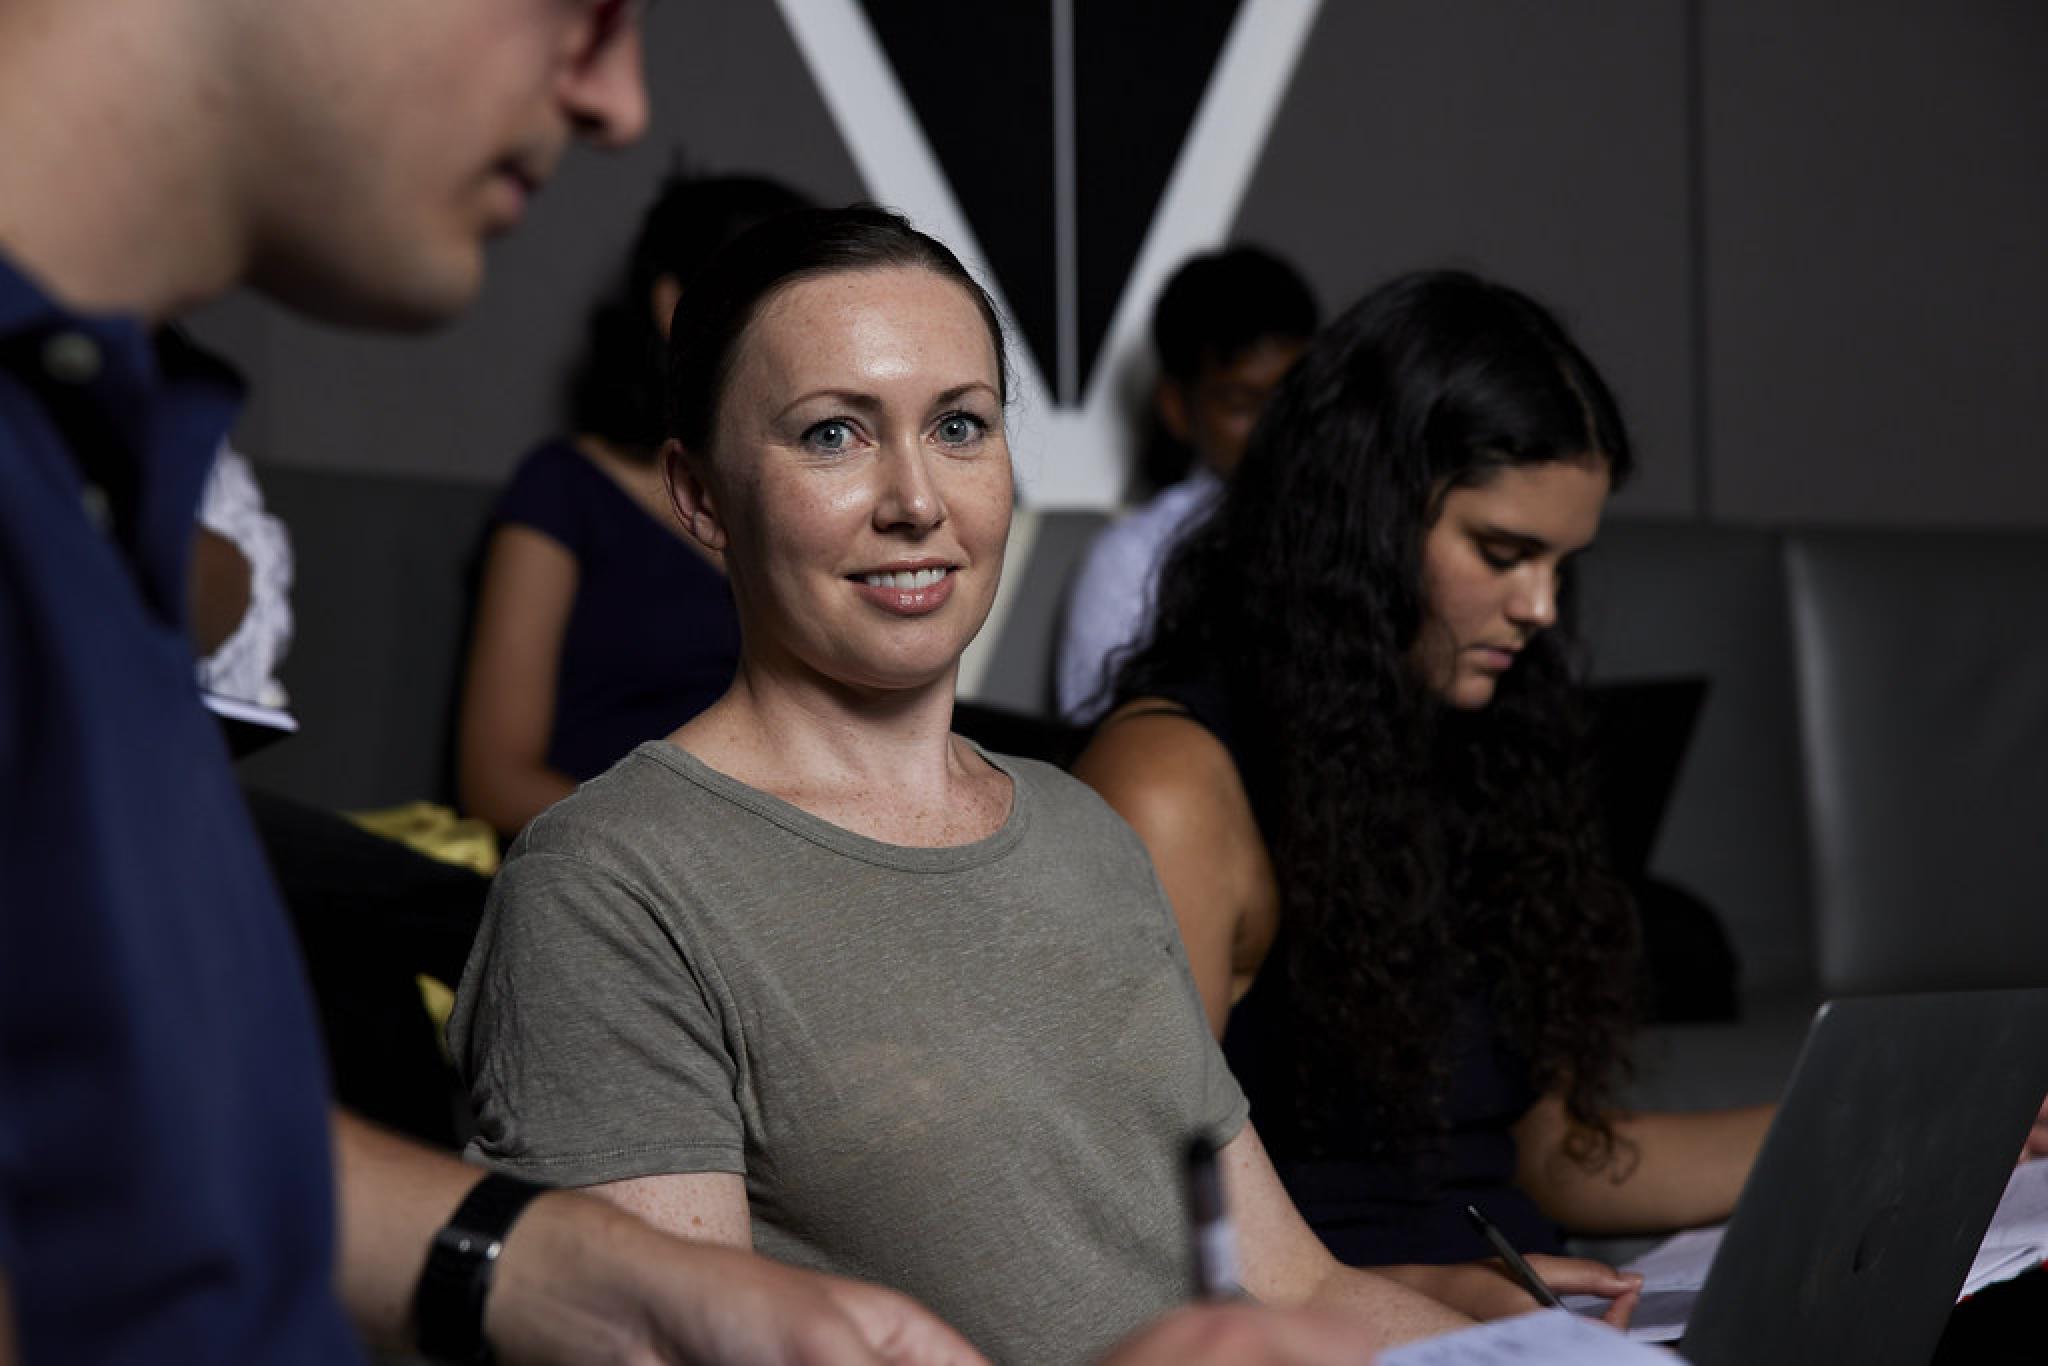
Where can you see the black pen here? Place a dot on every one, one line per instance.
(1212, 1240)
(1524, 1273)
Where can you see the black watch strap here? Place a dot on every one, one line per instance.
(449, 1305)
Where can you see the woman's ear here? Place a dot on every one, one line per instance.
(691, 498)
(667, 293)
(1170, 402)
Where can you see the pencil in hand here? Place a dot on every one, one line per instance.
(1519, 1268)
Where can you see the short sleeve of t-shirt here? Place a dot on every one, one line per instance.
(592, 1046)
(546, 493)
(1223, 1107)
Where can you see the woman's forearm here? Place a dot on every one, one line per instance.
(1397, 1313)
(1667, 1171)
(507, 794)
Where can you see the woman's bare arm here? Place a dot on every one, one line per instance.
(1668, 1171)
(217, 591)
(1286, 1264)
(508, 696)
(705, 1207)
(1238, 1334)
(1178, 788)
(580, 1280)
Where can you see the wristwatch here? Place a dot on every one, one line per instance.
(449, 1304)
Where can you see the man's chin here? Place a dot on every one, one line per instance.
(392, 300)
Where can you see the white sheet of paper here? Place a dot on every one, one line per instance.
(2017, 1240)
(1673, 1273)
(1682, 1261)
(255, 713)
(2022, 1213)
(1549, 1336)
(1675, 1270)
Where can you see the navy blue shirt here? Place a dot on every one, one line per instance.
(165, 1167)
(652, 637)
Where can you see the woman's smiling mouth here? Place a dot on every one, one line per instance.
(908, 590)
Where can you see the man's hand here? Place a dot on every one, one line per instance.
(896, 1328)
(582, 1281)
(1246, 1334)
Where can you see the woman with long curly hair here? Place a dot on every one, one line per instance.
(1354, 751)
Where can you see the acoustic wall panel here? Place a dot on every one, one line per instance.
(1543, 144)
(1877, 261)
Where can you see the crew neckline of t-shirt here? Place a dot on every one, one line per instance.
(903, 857)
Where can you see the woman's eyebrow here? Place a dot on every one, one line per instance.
(960, 391)
(1525, 542)
(871, 403)
(1521, 540)
(849, 398)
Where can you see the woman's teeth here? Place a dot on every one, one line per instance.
(905, 578)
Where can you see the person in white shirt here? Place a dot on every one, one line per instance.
(248, 594)
(1227, 327)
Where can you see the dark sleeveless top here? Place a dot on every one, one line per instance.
(1371, 1210)
(652, 637)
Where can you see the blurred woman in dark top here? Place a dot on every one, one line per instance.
(598, 623)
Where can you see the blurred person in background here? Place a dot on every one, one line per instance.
(1226, 328)
(568, 668)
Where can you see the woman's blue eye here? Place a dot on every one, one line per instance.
(1500, 559)
(958, 429)
(832, 435)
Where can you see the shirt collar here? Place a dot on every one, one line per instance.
(140, 412)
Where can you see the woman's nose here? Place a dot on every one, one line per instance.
(909, 498)
(1534, 604)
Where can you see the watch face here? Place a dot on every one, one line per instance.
(449, 1305)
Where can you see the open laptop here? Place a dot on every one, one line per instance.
(1888, 1155)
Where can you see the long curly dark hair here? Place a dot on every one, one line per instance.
(1425, 856)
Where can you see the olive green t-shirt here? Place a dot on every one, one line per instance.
(969, 1073)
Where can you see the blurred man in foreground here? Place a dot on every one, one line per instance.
(173, 1185)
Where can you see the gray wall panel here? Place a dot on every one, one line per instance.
(1877, 208)
(1875, 192)
(1545, 144)
(1664, 600)
(1925, 722)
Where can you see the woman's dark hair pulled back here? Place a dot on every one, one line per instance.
(1427, 859)
(728, 293)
